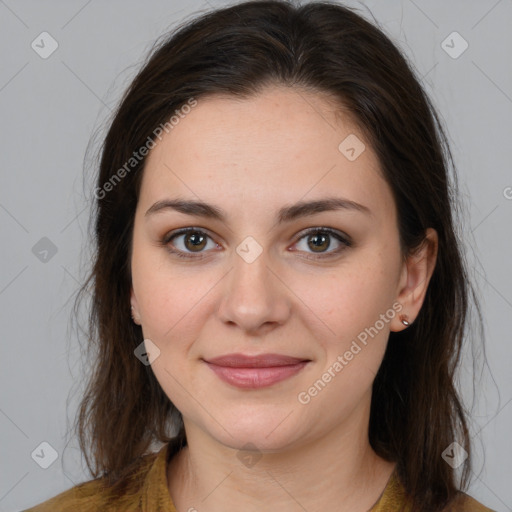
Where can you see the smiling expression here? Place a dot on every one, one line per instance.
(292, 250)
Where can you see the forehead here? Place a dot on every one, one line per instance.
(276, 147)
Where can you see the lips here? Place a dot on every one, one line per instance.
(257, 371)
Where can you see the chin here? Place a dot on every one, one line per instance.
(250, 432)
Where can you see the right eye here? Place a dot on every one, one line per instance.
(190, 241)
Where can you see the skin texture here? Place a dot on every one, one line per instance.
(251, 157)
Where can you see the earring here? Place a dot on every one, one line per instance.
(404, 320)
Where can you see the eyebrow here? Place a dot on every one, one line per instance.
(285, 214)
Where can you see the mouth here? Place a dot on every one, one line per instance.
(253, 372)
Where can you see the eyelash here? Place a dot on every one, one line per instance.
(318, 230)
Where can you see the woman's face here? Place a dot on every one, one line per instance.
(263, 273)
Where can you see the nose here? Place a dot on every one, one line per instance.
(254, 298)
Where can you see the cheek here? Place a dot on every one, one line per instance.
(167, 304)
(347, 304)
(170, 299)
(348, 299)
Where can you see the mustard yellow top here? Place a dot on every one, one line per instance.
(148, 492)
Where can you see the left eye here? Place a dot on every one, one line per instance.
(319, 240)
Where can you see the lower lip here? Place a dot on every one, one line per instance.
(254, 378)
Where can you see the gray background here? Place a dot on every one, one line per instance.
(51, 107)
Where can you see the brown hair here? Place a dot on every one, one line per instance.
(326, 48)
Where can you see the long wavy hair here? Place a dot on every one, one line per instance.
(416, 412)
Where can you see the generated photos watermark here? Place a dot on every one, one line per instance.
(138, 156)
(304, 397)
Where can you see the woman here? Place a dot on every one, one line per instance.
(274, 209)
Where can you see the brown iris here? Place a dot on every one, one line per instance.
(318, 242)
(197, 241)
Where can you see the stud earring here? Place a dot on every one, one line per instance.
(404, 320)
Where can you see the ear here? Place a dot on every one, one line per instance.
(134, 307)
(413, 284)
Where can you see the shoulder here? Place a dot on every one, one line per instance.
(465, 503)
(394, 498)
(96, 495)
(86, 497)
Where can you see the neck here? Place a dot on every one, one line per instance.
(341, 468)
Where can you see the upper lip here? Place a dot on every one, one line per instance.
(258, 361)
